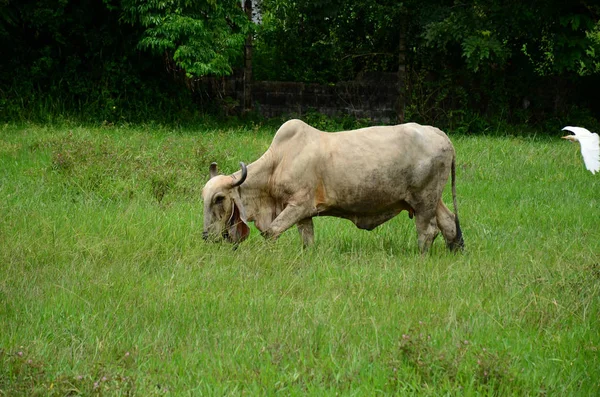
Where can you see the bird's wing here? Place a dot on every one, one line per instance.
(590, 150)
(578, 131)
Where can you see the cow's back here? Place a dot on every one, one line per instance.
(376, 167)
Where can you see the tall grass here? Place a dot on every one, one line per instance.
(107, 288)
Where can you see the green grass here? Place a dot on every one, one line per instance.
(106, 286)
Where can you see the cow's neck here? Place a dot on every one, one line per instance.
(254, 193)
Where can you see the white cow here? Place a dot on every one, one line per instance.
(367, 175)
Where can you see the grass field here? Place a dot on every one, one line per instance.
(106, 286)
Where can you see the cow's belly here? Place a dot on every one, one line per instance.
(365, 200)
(369, 219)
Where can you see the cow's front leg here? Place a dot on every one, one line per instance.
(306, 229)
(291, 215)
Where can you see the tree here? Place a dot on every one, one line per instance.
(511, 54)
(202, 36)
(327, 40)
(107, 57)
(553, 37)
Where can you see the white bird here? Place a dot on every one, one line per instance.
(590, 146)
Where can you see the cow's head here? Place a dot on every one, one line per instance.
(224, 216)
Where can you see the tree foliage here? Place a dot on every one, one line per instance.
(551, 37)
(203, 37)
(327, 40)
(108, 57)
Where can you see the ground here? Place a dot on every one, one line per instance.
(107, 287)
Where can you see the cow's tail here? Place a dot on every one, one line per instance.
(459, 242)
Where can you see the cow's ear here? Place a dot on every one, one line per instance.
(236, 226)
(213, 170)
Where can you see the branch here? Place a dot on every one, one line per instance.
(366, 54)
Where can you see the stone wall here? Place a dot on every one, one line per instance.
(374, 96)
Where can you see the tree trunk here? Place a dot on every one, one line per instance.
(248, 61)
(401, 72)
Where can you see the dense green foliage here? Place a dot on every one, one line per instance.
(466, 62)
(201, 37)
(107, 59)
(328, 40)
(106, 287)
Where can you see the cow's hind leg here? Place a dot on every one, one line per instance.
(306, 229)
(427, 229)
(446, 221)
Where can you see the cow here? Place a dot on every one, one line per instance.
(367, 175)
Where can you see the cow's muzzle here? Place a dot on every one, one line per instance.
(206, 236)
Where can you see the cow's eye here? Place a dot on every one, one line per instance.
(219, 199)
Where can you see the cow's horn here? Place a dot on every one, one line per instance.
(213, 170)
(244, 175)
